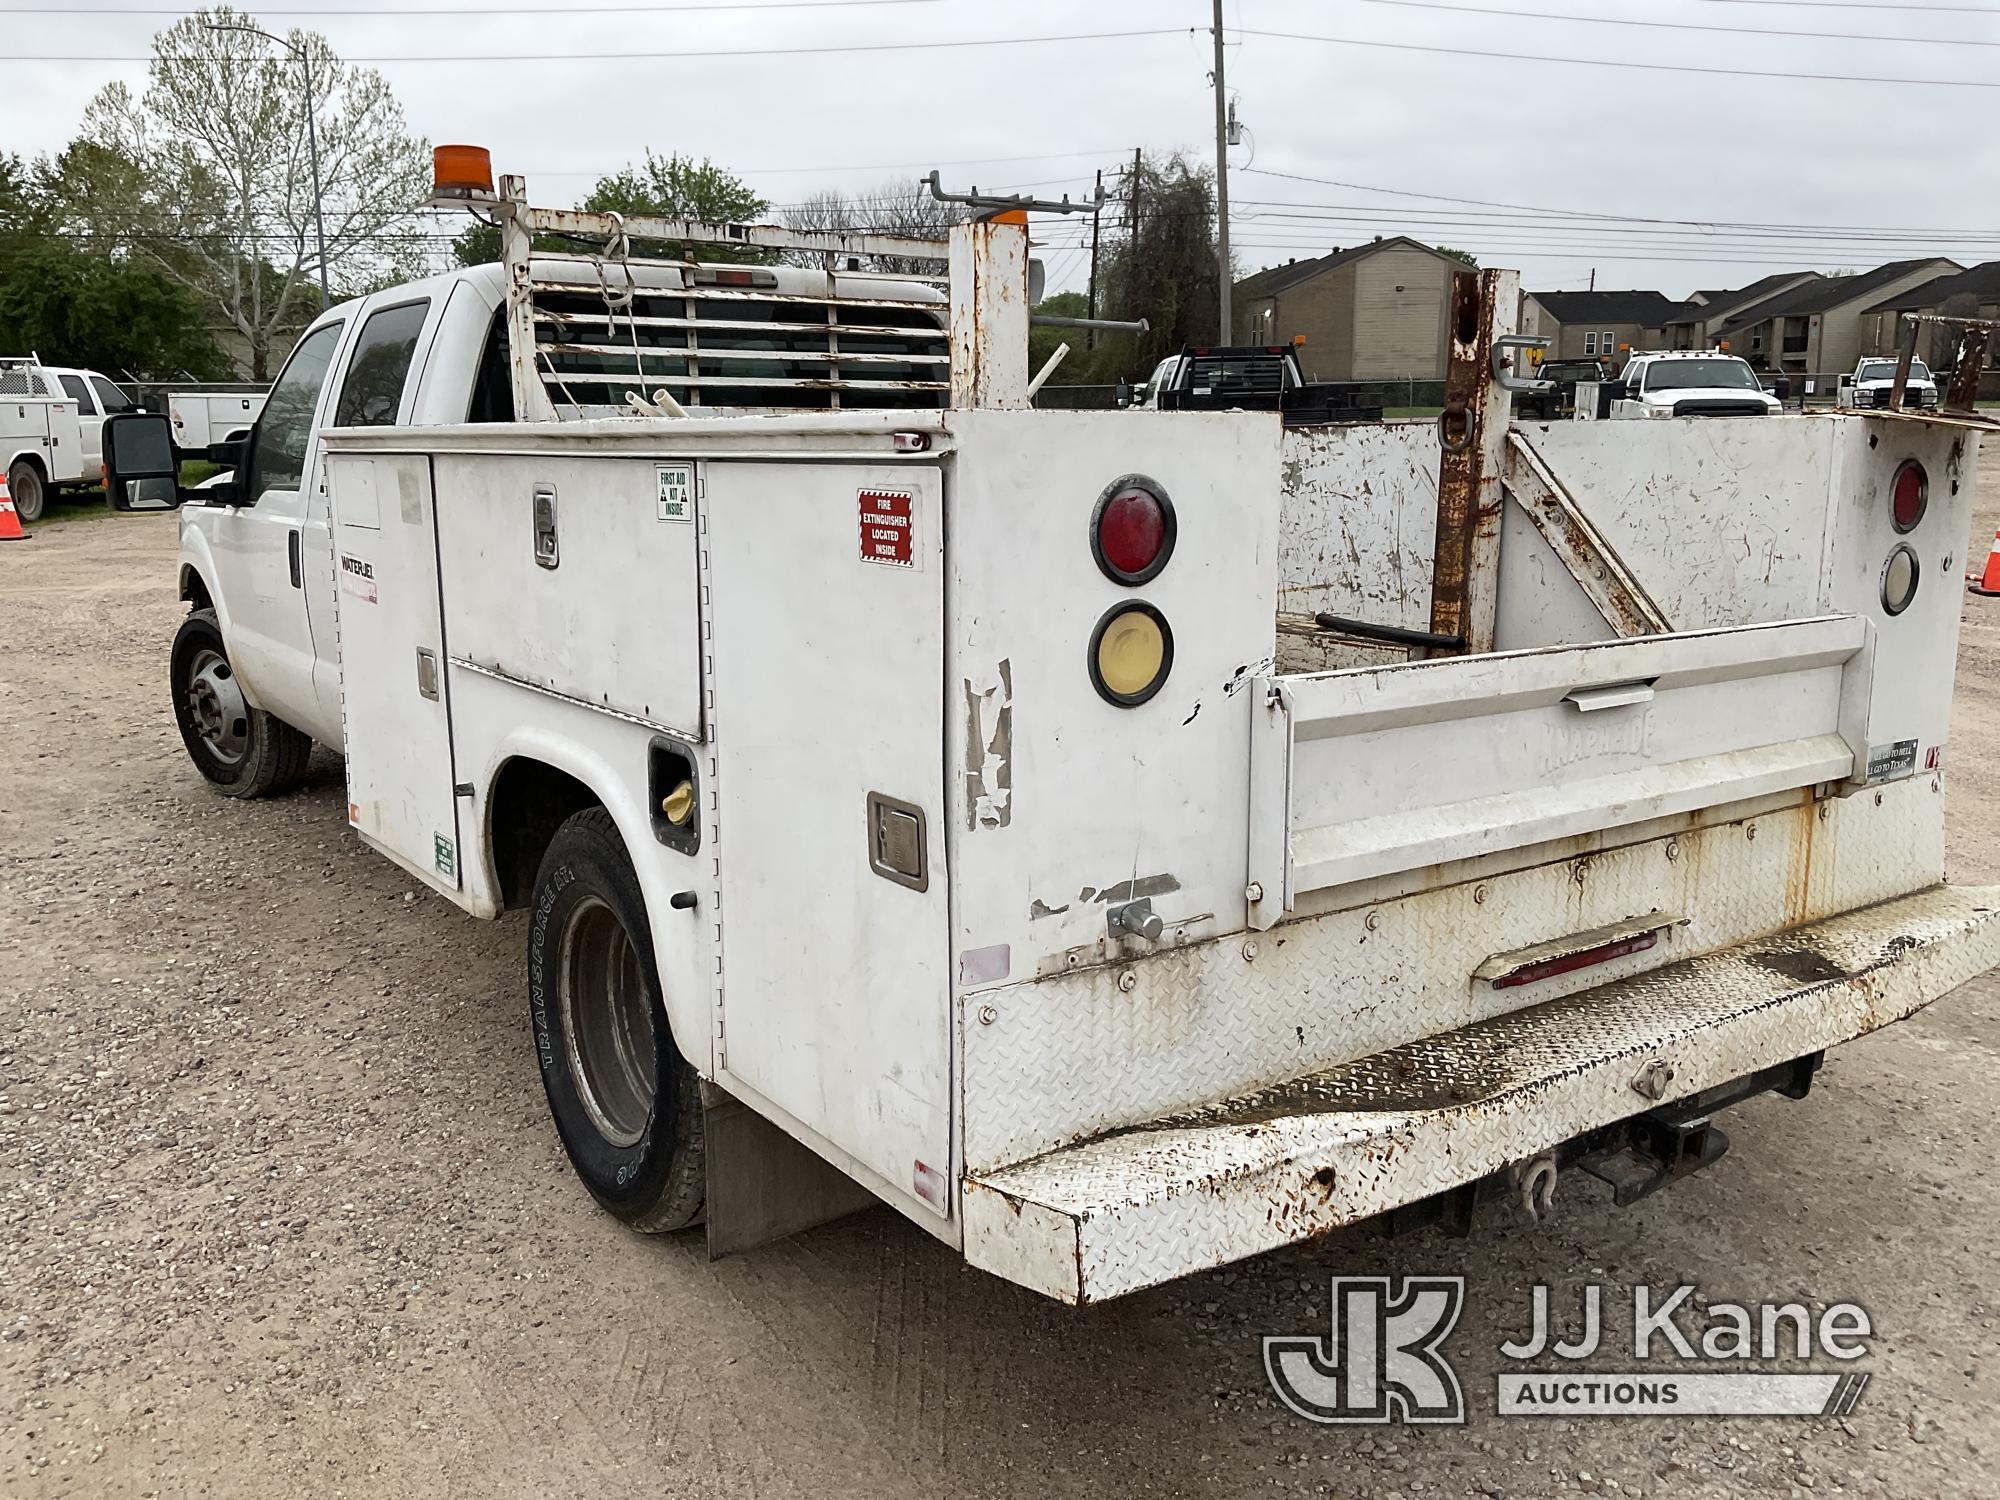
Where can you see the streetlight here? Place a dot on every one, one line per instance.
(312, 142)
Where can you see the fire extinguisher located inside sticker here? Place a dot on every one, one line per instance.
(887, 520)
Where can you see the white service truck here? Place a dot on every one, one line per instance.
(201, 419)
(1121, 842)
(41, 436)
(1873, 384)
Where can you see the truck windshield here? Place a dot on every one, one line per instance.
(1885, 369)
(1700, 374)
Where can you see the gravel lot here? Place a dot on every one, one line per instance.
(283, 1213)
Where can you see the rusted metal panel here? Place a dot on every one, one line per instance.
(600, 226)
(1592, 561)
(1315, 1151)
(989, 314)
(1471, 431)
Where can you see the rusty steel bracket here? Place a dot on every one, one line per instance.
(1472, 431)
(1962, 399)
(1605, 578)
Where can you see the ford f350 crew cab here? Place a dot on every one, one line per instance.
(1121, 842)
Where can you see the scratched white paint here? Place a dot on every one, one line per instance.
(1359, 523)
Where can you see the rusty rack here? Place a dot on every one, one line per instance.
(607, 329)
(1960, 401)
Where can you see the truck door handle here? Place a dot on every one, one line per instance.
(293, 557)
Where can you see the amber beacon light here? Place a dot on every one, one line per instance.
(464, 172)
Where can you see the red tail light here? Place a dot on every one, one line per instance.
(1132, 530)
(1909, 495)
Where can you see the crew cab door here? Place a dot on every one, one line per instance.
(89, 421)
(259, 546)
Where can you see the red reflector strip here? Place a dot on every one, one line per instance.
(1568, 963)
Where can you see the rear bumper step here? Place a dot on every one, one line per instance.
(1140, 1206)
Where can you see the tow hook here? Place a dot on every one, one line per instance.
(1535, 1189)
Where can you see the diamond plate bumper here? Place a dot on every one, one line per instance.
(1136, 1207)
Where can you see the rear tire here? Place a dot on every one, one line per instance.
(242, 750)
(29, 489)
(626, 1103)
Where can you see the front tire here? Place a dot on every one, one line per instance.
(242, 750)
(626, 1103)
(30, 491)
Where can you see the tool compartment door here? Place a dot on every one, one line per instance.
(827, 605)
(1378, 770)
(394, 706)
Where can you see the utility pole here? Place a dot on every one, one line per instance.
(1593, 278)
(1096, 219)
(1221, 186)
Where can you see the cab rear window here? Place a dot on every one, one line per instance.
(372, 395)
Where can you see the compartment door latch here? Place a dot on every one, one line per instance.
(898, 848)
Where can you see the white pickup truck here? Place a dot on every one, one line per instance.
(1873, 384)
(1121, 842)
(1691, 384)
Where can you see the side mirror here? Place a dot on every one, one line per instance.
(1121, 395)
(1846, 381)
(140, 469)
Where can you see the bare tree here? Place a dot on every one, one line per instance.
(227, 205)
(901, 207)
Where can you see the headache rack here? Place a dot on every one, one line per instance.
(590, 331)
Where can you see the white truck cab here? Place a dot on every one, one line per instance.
(1690, 385)
(1873, 383)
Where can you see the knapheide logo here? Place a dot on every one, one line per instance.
(1382, 1360)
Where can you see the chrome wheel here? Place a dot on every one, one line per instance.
(608, 1021)
(217, 707)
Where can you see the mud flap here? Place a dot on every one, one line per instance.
(762, 1184)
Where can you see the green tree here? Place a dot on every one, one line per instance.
(1457, 254)
(1160, 265)
(224, 203)
(667, 187)
(69, 293)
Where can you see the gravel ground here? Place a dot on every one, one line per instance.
(283, 1213)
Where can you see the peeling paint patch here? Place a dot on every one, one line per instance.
(989, 749)
(1242, 676)
(1130, 890)
(1038, 908)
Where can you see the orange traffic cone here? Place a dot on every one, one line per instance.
(1989, 582)
(10, 520)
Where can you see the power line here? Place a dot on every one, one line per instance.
(479, 13)
(1955, 10)
(1362, 187)
(1540, 15)
(1643, 67)
(627, 56)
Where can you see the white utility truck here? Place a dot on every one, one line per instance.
(41, 436)
(1122, 842)
(1873, 384)
(201, 419)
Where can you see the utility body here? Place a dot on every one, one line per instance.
(47, 441)
(925, 798)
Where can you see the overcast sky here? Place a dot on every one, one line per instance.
(1830, 174)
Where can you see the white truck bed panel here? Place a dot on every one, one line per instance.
(395, 716)
(828, 676)
(1190, 1191)
(615, 623)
